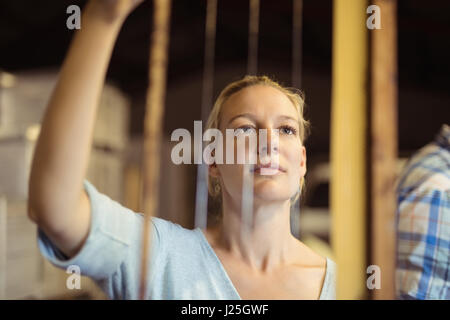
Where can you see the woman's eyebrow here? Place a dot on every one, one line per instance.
(245, 115)
(252, 117)
(283, 117)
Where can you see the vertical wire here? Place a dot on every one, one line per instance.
(297, 22)
(154, 115)
(253, 30)
(295, 217)
(247, 199)
(201, 199)
(252, 69)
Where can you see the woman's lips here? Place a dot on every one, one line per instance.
(268, 169)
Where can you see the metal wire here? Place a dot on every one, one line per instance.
(201, 198)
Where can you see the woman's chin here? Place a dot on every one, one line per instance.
(269, 192)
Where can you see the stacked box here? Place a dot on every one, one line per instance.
(23, 271)
(26, 273)
(22, 106)
(22, 257)
(105, 169)
(24, 103)
(15, 158)
(3, 245)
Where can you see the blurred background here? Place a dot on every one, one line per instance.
(33, 42)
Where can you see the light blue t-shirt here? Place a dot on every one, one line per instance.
(182, 265)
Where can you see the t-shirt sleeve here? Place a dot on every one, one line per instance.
(113, 237)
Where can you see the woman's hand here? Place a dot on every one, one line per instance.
(113, 10)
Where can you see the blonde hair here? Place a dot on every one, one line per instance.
(294, 95)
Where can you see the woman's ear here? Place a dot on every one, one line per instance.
(303, 161)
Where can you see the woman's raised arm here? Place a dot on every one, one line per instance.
(57, 200)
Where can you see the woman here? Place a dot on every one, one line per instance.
(80, 226)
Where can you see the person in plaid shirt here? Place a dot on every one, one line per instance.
(423, 223)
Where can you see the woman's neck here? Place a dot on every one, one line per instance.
(266, 243)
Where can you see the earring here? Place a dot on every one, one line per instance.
(217, 188)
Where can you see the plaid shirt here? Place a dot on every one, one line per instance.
(423, 223)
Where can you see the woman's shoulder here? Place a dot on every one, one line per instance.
(310, 257)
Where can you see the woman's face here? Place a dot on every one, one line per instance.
(263, 107)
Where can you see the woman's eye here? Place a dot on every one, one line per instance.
(288, 130)
(247, 130)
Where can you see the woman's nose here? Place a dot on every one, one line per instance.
(268, 140)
